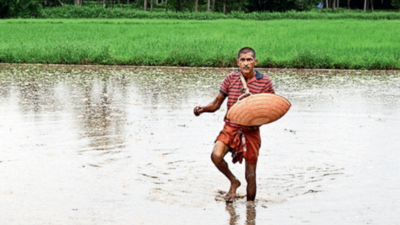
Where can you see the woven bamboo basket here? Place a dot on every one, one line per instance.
(258, 109)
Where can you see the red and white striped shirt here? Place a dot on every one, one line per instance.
(232, 84)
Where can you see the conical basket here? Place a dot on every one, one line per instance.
(258, 109)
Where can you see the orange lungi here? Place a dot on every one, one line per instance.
(242, 142)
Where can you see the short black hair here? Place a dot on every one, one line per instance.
(246, 50)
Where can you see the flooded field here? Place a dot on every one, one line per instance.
(101, 145)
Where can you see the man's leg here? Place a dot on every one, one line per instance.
(217, 156)
(251, 181)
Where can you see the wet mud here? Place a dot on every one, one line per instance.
(120, 145)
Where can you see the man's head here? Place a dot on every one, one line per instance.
(246, 60)
(246, 50)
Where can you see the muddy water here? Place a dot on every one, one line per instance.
(97, 145)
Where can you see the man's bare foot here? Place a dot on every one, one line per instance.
(230, 197)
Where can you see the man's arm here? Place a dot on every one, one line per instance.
(211, 107)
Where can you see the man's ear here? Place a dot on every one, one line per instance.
(256, 61)
(237, 62)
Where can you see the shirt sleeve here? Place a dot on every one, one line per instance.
(269, 88)
(224, 88)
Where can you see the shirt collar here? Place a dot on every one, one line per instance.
(258, 74)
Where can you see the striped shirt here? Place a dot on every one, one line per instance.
(232, 84)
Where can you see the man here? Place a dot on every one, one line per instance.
(243, 142)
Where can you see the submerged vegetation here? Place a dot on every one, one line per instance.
(342, 44)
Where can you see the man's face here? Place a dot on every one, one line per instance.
(246, 63)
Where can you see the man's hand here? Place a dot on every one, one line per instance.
(211, 107)
(197, 110)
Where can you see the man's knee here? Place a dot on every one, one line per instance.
(218, 152)
(250, 177)
(215, 157)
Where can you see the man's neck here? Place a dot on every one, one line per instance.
(249, 75)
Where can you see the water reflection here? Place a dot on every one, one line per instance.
(250, 213)
(96, 99)
(235, 217)
(173, 87)
(100, 111)
(36, 96)
(5, 89)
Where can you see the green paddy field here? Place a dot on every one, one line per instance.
(341, 44)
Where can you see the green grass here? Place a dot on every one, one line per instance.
(69, 11)
(342, 44)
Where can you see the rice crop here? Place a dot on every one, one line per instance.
(340, 44)
(69, 11)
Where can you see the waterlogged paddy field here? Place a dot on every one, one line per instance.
(347, 43)
(101, 145)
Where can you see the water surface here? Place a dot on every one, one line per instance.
(120, 145)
